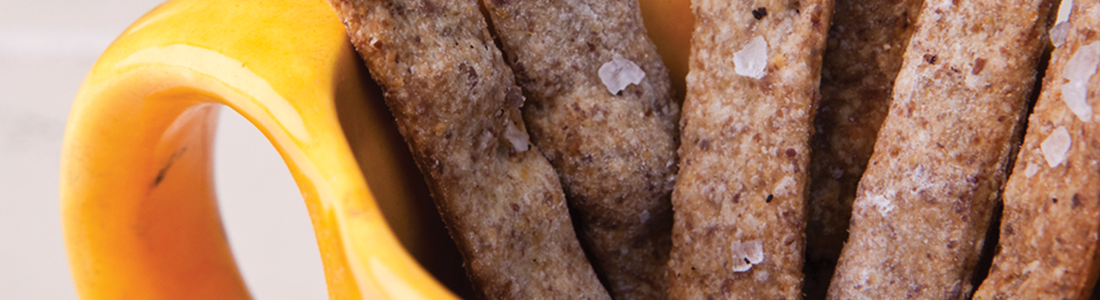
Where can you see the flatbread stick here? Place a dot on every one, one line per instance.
(1052, 216)
(863, 56)
(925, 202)
(600, 109)
(457, 106)
(746, 126)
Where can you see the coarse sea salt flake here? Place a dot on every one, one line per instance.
(746, 254)
(752, 59)
(1083, 63)
(1075, 94)
(1055, 146)
(517, 138)
(1031, 170)
(1058, 34)
(619, 73)
(1078, 70)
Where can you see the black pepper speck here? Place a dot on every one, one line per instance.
(760, 13)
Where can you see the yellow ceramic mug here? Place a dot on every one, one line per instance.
(138, 203)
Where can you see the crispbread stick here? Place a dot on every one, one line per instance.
(863, 56)
(614, 150)
(457, 106)
(925, 201)
(1051, 215)
(746, 126)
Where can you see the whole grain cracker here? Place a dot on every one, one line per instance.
(863, 56)
(614, 150)
(1051, 219)
(457, 106)
(746, 126)
(926, 199)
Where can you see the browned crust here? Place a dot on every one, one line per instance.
(745, 149)
(454, 98)
(925, 201)
(863, 56)
(1051, 219)
(615, 153)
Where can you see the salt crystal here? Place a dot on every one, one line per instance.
(1055, 146)
(739, 265)
(1078, 70)
(752, 59)
(1031, 170)
(1083, 64)
(619, 73)
(747, 254)
(754, 252)
(517, 138)
(1058, 34)
(1075, 95)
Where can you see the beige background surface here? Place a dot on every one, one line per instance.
(46, 47)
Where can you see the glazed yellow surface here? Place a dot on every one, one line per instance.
(138, 201)
(669, 24)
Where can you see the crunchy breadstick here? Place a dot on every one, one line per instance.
(1052, 216)
(457, 106)
(747, 122)
(863, 56)
(614, 146)
(924, 204)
